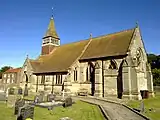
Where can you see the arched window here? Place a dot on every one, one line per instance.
(112, 65)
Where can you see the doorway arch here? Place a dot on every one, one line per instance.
(120, 81)
(91, 67)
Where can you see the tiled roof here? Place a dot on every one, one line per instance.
(104, 46)
(109, 45)
(61, 59)
(15, 70)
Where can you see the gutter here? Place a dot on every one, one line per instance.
(102, 80)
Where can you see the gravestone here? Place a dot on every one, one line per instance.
(26, 90)
(11, 100)
(27, 111)
(67, 102)
(11, 91)
(2, 96)
(19, 103)
(12, 96)
(39, 98)
(142, 106)
(50, 97)
(20, 91)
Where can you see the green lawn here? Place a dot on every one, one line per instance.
(149, 103)
(79, 111)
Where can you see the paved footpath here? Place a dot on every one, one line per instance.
(114, 111)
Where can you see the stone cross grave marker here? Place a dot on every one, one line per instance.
(50, 97)
(38, 98)
(67, 102)
(27, 111)
(19, 103)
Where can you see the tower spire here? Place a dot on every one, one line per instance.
(51, 31)
(50, 39)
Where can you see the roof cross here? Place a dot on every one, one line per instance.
(90, 36)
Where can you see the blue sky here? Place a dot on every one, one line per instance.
(23, 23)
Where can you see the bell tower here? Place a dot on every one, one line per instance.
(51, 39)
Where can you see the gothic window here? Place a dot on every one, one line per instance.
(97, 66)
(138, 56)
(112, 65)
(75, 74)
(43, 79)
(58, 79)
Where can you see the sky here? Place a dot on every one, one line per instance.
(24, 23)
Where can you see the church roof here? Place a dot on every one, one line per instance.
(61, 59)
(15, 70)
(51, 31)
(109, 45)
(65, 55)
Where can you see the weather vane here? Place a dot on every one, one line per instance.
(52, 11)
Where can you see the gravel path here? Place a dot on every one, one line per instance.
(114, 111)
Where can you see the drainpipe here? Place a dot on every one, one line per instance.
(37, 84)
(102, 80)
(52, 83)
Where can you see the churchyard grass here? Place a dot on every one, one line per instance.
(78, 111)
(151, 103)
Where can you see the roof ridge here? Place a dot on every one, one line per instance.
(113, 33)
(98, 36)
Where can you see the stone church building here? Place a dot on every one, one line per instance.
(110, 65)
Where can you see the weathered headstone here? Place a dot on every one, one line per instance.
(19, 103)
(26, 90)
(39, 98)
(67, 102)
(11, 100)
(20, 91)
(36, 99)
(142, 106)
(2, 96)
(11, 91)
(27, 111)
(50, 97)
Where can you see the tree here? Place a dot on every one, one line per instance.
(154, 60)
(156, 77)
(3, 69)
